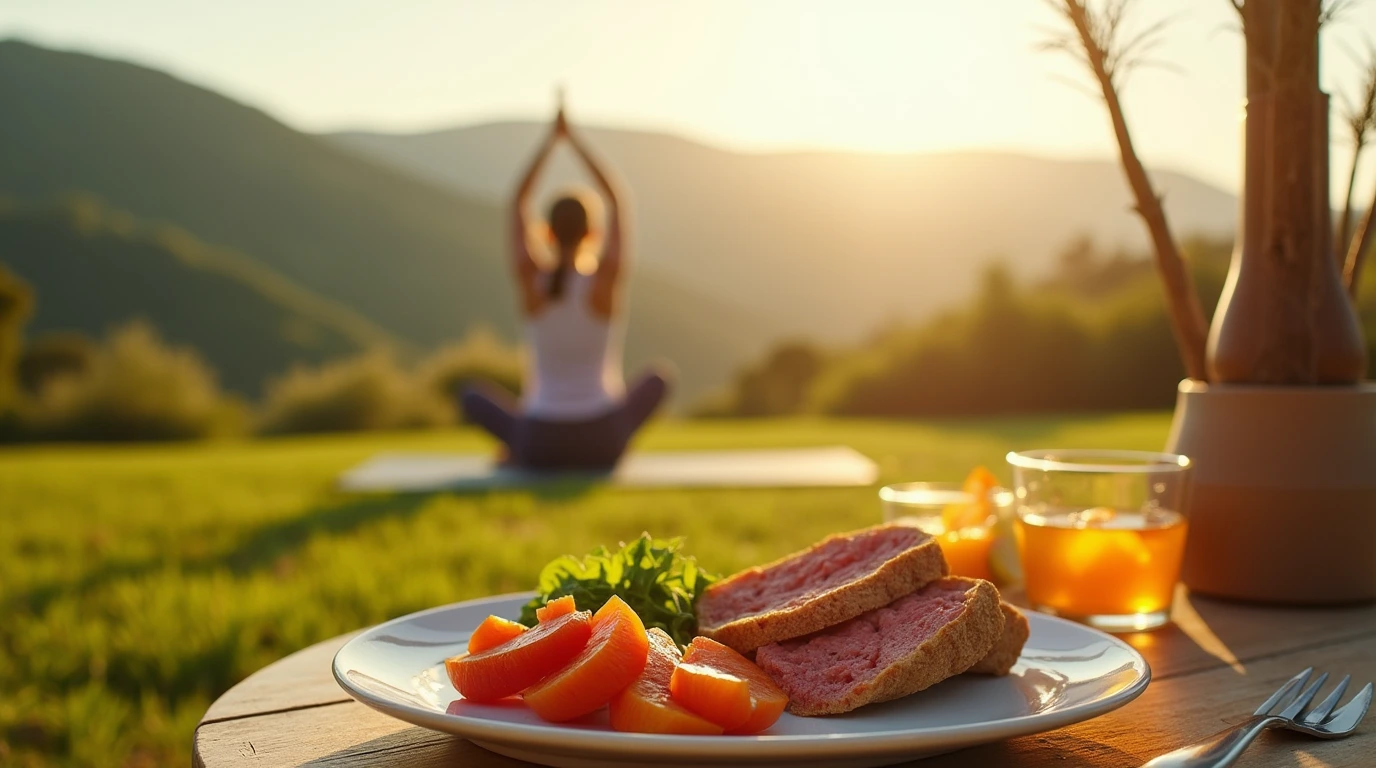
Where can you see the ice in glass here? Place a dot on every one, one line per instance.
(1101, 534)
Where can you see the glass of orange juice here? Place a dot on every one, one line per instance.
(1101, 533)
(965, 526)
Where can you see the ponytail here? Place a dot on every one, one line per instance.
(557, 279)
(568, 223)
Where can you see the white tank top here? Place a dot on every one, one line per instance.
(575, 361)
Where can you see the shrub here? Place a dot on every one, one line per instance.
(135, 388)
(779, 385)
(1094, 335)
(366, 392)
(51, 356)
(16, 301)
(1004, 354)
(481, 355)
(372, 391)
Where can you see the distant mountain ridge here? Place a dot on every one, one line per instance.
(420, 262)
(96, 268)
(830, 244)
(169, 151)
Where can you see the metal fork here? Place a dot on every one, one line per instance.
(1323, 722)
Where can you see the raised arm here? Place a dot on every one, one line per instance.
(613, 247)
(522, 261)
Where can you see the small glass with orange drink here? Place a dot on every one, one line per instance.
(964, 519)
(1102, 533)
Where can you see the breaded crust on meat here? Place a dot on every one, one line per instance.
(1009, 647)
(904, 573)
(953, 649)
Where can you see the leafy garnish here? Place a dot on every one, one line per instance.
(659, 584)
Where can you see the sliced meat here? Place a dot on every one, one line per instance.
(889, 652)
(1006, 651)
(833, 581)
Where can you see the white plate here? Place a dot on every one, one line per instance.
(1067, 673)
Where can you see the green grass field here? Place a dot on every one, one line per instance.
(138, 583)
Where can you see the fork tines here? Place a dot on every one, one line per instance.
(1326, 719)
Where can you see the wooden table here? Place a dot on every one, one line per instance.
(1210, 670)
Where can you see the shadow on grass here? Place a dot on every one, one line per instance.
(261, 547)
(267, 543)
(346, 513)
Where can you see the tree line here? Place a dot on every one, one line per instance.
(1094, 336)
(132, 385)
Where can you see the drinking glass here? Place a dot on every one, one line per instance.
(1101, 533)
(969, 546)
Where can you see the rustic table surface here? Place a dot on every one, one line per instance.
(1209, 670)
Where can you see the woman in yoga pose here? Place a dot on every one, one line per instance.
(577, 412)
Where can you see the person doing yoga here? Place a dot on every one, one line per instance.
(576, 412)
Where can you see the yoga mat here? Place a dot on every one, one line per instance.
(829, 466)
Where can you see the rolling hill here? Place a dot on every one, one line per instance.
(827, 244)
(420, 261)
(96, 268)
(164, 150)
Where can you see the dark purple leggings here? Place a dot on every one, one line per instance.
(589, 444)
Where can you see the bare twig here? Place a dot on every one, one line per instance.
(1078, 87)
(1332, 10)
(1362, 242)
(1143, 42)
(1110, 61)
(1365, 236)
(1360, 119)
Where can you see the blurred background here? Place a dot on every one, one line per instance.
(896, 225)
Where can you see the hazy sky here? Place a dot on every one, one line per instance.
(906, 75)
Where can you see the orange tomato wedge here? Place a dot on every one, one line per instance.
(978, 484)
(766, 699)
(519, 663)
(718, 696)
(614, 657)
(555, 608)
(494, 631)
(645, 705)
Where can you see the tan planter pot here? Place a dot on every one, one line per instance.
(1283, 507)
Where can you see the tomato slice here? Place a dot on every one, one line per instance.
(519, 663)
(645, 705)
(718, 696)
(555, 608)
(494, 631)
(719, 701)
(612, 659)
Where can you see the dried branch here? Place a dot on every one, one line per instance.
(1362, 242)
(1362, 239)
(1145, 40)
(1110, 61)
(1332, 10)
(1079, 88)
(1359, 117)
